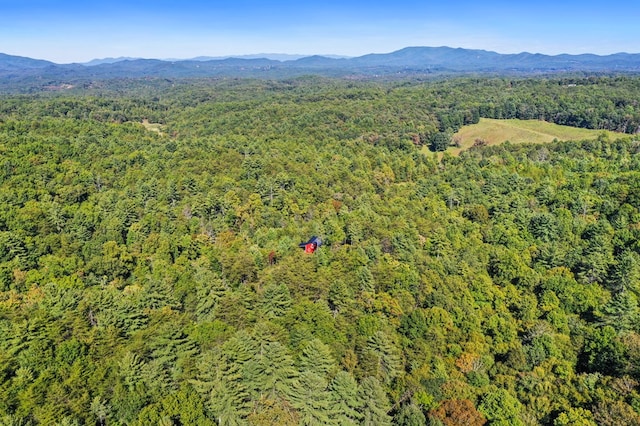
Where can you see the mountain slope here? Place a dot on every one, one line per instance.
(10, 62)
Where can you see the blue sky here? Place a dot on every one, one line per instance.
(78, 31)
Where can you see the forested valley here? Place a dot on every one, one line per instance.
(150, 272)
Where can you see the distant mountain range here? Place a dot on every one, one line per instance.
(16, 71)
(273, 56)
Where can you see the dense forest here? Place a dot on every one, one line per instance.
(152, 275)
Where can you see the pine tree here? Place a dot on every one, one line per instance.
(241, 347)
(276, 300)
(172, 349)
(221, 379)
(622, 312)
(210, 290)
(625, 273)
(388, 359)
(375, 403)
(410, 415)
(271, 372)
(312, 400)
(345, 400)
(129, 368)
(317, 358)
(230, 401)
(340, 296)
(100, 409)
(66, 421)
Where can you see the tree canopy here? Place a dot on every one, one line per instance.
(152, 275)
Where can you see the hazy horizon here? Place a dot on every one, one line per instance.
(74, 31)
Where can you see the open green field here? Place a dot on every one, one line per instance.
(154, 127)
(520, 131)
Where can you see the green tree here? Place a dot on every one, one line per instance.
(622, 312)
(221, 379)
(388, 361)
(602, 352)
(410, 415)
(317, 358)
(276, 300)
(229, 398)
(625, 274)
(100, 409)
(375, 403)
(501, 408)
(271, 372)
(346, 401)
(439, 141)
(312, 399)
(574, 417)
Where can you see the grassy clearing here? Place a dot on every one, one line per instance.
(154, 127)
(495, 132)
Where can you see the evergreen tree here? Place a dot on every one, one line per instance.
(346, 401)
(229, 398)
(622, 312)
(317, 358)
(210, 290)
(276, 300)
(312, 400)
(375, 403)
(410, 415)
(625, 274)
(271, 372)
(340, 296)
(222, 381)
(388, 360)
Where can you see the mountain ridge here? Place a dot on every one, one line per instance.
(413, 60)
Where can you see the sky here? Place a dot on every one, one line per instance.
(81, 30)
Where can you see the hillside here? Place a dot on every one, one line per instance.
(151, 274)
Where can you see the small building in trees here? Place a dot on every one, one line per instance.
(311, 245)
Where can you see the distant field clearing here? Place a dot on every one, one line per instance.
(495, 132)
(154, 127)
